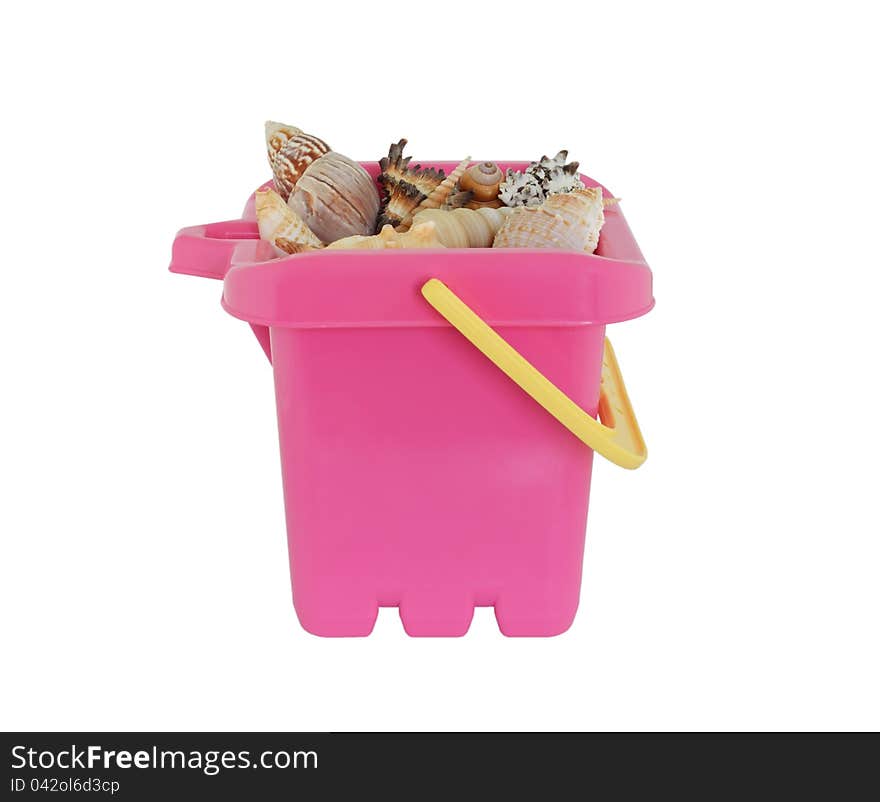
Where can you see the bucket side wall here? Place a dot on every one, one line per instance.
(417, 475)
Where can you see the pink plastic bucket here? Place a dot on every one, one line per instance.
(416, 474)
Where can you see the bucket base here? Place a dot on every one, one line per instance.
(440, 618)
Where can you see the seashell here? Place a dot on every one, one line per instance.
(336, 198)
(520, 189)
(583, 210)
(570, 221)
(359, 241)
(290, 152)
(464, 228)
(405, 187)
(280, 225)
(438, 197)
(456, 200)
(483, 181)
(277, 135)
(402, 198)
(548, 165)
(423, 235)
(290, 247)
(540, 180)
(560, 181)
(424, 179)
(395, 168)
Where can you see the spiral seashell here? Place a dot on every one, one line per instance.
(439, 196)
(421, 236)
(483, 181)
(290, 152)
(280, 225)
(570, 221)
(277, 135)
(464, 228)
(336, 198)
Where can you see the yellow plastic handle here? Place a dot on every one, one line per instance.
(618, 440)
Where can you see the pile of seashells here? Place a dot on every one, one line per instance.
(322, 199)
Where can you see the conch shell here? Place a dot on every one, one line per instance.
(421, 236)
(570, 221)
(405, 187)
(483, 181)
(464, 228)
(336, 198)
(290, 152)
(438, 197)
(281, 226)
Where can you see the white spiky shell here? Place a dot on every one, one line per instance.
(280, 225)
(290, 152)
(570, 221)
(423, 235)
(336, 198)
(465, 228)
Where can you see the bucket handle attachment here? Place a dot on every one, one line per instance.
(616, 438)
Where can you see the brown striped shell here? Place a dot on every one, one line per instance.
(290, 152)
(336, 198)
(277, 135)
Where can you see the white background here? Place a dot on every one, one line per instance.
(730, 583)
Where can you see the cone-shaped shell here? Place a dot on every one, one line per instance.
(279, 224)
(464, 228)
(421, 236)
(336, 198)
(570, 221)
(290, 152)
